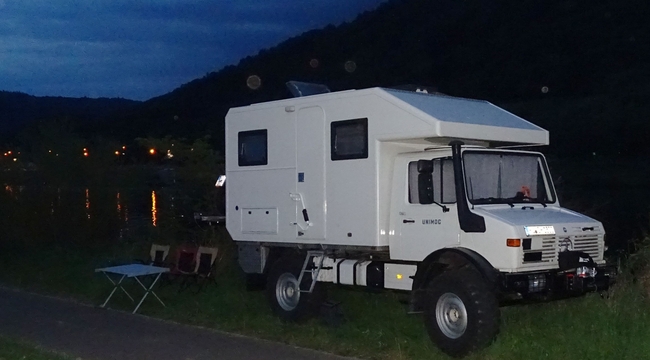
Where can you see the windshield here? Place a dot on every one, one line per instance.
(506, 178)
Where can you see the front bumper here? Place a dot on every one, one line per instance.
(569, 282)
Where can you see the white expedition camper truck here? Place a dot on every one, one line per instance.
(403, 190)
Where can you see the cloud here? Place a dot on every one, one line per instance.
(140, 49)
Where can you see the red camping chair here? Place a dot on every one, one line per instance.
(184, 262)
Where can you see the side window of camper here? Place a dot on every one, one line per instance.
(349, 139)
(253, 149)
(440, 179)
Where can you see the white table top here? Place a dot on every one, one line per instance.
(133, 270)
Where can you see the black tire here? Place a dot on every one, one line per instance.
(283, 295)
(462, 312)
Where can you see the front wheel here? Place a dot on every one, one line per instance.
(283, 291)
(462, 313)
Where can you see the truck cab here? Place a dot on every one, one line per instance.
(511, 191)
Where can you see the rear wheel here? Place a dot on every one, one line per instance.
(283, 291)
(462, 313)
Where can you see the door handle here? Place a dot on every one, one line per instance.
(408, 221)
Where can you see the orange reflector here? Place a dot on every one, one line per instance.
(513, 242)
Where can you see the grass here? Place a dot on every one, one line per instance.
(58, 254)
(376, 326)
(11, 349)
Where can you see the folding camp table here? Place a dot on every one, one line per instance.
(134, 271)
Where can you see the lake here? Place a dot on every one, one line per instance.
(614, 192)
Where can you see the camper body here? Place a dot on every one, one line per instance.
(408, 191)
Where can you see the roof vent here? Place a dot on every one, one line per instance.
(419, 88)
(299, 89)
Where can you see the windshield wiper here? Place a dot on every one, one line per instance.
(487, 200)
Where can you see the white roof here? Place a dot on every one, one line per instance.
(459, 118)
(446, 118)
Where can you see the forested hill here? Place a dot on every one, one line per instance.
(577, 68)
(18, 110)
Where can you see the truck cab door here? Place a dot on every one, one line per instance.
(427, 217)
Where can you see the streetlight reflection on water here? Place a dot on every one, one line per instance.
(87, 203)
(154, 210)
(132, 208)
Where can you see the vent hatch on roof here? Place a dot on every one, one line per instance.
(299, 89)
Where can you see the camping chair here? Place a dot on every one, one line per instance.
(184, 262)
(204, 268)
(158, 255)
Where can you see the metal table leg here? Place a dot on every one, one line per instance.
(147, 291)
(115, 286)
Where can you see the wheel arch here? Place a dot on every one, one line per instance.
(446, 259)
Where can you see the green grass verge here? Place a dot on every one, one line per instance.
(11, 349)
(376, 326)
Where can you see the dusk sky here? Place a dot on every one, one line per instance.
(139, 49)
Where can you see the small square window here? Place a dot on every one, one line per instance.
(349, 139)
(253, 148)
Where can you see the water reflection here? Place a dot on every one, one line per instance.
(154, 210)
(87, 203)
(56, 213)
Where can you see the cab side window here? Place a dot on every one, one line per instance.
(442, 182)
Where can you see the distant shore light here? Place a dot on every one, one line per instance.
(152, 151)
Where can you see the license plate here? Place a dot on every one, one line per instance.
(539, 230)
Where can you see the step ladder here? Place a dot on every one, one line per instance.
(306, 268)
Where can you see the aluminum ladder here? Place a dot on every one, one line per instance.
(314, 272)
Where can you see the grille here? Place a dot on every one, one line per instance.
(548, 252)
(591, 244)
(588, 244)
